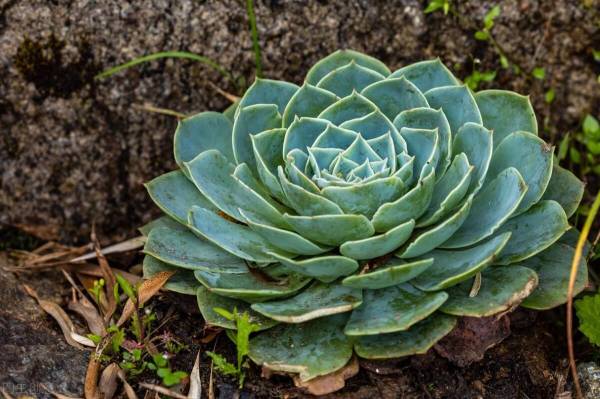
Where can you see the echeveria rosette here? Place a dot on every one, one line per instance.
(353, 213)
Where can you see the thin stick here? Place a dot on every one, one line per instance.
(254, 31)
(574, 268)
(157, 110)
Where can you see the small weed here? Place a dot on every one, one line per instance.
(241, 338)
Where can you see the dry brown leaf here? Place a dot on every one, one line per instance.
(63, 320)
(146, 291)
(124, 246)
(129, 392)
(5, 394)
(94, 271)
(109, 278)
(329, 383)
(85, 308)
(90, 387)
(162, 390)
(47, 232)
(108, 381)
(195, 391)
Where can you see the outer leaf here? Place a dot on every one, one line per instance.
(201, 132)
(452, 267)
(392, 309)
(316, 301)
(307, 101)
(502, 288)
(427, 75)
(416, 340)
(182, 282)
(318, 347)
(505, 112)
(533, 231)
(393, 96)
(182, 248)
(208, 302)
(553, 267)
(234, 238)
(565, 188)
(532, 157)
(393, 272)
(175, 195)
(340, 58)
(248, 287)
(458, 105)
(491, 208)
(267, 91)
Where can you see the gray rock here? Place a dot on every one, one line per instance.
(74, 151)
(589, 375)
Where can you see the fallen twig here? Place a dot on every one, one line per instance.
(124, 246)
(585, 231)
(162, 390)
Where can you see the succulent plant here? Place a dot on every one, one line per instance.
(363, 212)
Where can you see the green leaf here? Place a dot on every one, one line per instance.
(435, 5)
(588, 309)
(596, 54)
(340, 58)
(488, 20)
(344, 80)
(221, 364)
(575, 155)
(538, 73)
(127, 288)
(174, 378)
(504, 61)
(549, 96)
(482, 35)
(159, 360)
(591, 127)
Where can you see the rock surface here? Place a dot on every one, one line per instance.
(35, 356)
(74, 151)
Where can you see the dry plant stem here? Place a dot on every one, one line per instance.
(158, 110)
(109, 277)
(574, 268)
(162, 390)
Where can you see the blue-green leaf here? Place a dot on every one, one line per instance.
(454, 266)
(565, 188)
(458, 105)
(307, 101)
(378, 245)
(348, 78)
(475, 142)
(505, 112)
(316, 301)
(331, 229)
(340, 58)
(350, 107)
(325, 268)
(392, 309)
(201, 132)
(393, 96)
(267, 91)
(182, 282)
(427, 75)
(393, 272)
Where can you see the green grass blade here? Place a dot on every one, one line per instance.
(255, 44)
(167, 54)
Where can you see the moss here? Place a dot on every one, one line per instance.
(41, 63)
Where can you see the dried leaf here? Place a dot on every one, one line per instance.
(162, 390)
(5, 394)
(47, 232)
(128, 389)
(195, 391)
(63, 320)
(109, 278)
(85, 308)
(90, 387)
(125, 246)
(146, 291)
(329, 383)
(108, 381)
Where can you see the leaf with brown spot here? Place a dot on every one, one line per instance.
(332, 382)
(146, 291)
